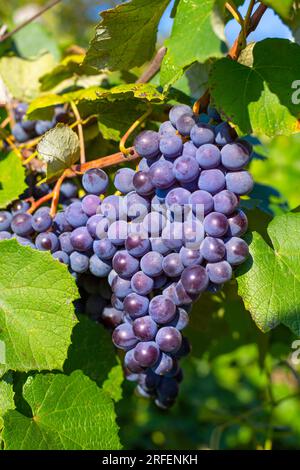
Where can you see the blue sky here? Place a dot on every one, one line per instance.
(270, 26)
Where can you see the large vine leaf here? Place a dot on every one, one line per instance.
(126, 35)
(282, 162)
(68, 413)
(269, 282)
(142, 91)
(21, 76)
(36, 311)
(282, 7)
(258, 98)
(192, 39)
(12, 178)
(93, 353)
(6, 399)
(34, 40)
(59, 148)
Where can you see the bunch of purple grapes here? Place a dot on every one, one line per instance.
(144, 255)
(25, 129)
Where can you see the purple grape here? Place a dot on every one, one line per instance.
(238, 224)
(111, 317)
(60, 223)
(112, 275)
(170, 146)
(215, 224)
(193, 233)
(211, 181)
(190, 257)
(5, 220)
(172, 235)
(98, 267)
(185, 123)
(164, 365)
(237, 251)
(141, 283)
(147, 144)
(162, 309)
(151, 264)
(158, 245)
(160, 281)
(121, 287)
(168, 339)
(21, 224)
(137, 245)
(202, 203)
(172, 265)
(47, 241)
(144, 328)
(235, 156)
(208, 156)
(213, 249)
(61, 256)
(4, 235)
(123, 337)
(68, 190)
(131, 363)
(224, 134)
(24, 241)
(189, 149)
(19, 133)
(202, 134)
(19, 207)
(186, 169)
(167, 392)
(41, 221)
(162, 175)
(75, 215)
(177, 196)
(124, 180)
(153, 223)
(95, 181)
(181, 320)
(166, 128)
(104, 249)
(81, 239)
(194, 280)
(225, 202)
(142, 183)
(43, 126)
(219, 272)
(113, 208)
(116, 302)
(124, 264)
(118, 232)
(79, 262)
(239, 182)
(146, 353)
(137, 206)
(179, 110)
(93, 222)
(90, 204)
(136, 305)
(181, 295)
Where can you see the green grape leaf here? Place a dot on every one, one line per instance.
(269, 282)
(43, 106)
(282, 162)
(92, 352)
(192, 39)
(114, 119)
(6, 399)
(12, 178)
(21, 76)
(282, 7)
(59, 148)
(126, 35)
(33, 40)
(259, 98)
(69, 66)
(113, 384)
(36, 311)
(68, 413)
(142, 91)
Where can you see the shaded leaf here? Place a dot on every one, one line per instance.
(12, 178)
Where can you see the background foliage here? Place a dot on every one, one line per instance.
(241, 388)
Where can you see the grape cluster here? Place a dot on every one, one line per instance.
(25, 130)
(172, 231)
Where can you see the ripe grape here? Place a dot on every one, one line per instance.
(235, 156)
(147, 144)
(81, 239)
(141, 283)
(123, 337)
(146, 353)
(215, 224)
(144, 328)
(202, 134)
(170, 146)
(162, 309)
(104, 248)
(162, 175)
(212, 181)
(151, 264)
(95, 181)
(168, 339)
(177, 111)
(21, 224)
(219, 272)
(225, 202)
(90, 203)
(237, 224)
(124, 180)
(213, 249)
(237, 251)
(124, 264)
(239, 182)
(5, 220)
(194, 280)
(185, 169)
(208, 156)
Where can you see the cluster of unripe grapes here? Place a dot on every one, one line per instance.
(26, 129)
(172, 231)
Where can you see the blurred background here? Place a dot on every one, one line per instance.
(241, 387)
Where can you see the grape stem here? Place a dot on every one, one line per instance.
(137, 123)
(251, 23)
(235, 12)
(26, 22)
(80, 131)
(153, 67)
(103, 162)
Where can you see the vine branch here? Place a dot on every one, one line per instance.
(80, 131)
(29, 20)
